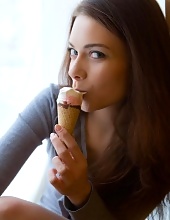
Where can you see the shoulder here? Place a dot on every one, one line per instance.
(50, 92)
(41, 112)
(43, 104)
(47, 96)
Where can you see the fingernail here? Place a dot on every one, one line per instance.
(52, 135)
(58, 127)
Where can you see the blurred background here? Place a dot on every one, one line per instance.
(32, 42)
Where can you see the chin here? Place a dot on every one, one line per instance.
(85, 107)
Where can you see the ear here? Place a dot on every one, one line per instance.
(167, 12)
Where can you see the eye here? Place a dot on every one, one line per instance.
(72, 52)
(97, 54)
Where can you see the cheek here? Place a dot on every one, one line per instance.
(107, 89)
(114, 81)
(119, 82)
(113, 86)
(120, 76)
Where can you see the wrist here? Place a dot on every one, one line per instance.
(81, 198)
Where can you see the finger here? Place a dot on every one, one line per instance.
(62, 171)
(61, 149)
(59, 165)
(55, 139)
(54, 179)
(69, 141)
(53, 175)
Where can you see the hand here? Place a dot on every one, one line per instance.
(69, 175)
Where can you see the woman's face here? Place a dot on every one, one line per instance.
(99, 64)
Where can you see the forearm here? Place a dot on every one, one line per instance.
(32, 126)
(15, 148)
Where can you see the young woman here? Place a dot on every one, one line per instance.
(118, 53)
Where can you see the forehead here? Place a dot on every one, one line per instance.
(86, 30)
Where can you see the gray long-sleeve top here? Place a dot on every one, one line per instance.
(32, 126)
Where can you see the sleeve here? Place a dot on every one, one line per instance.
(31, 127)
(93, 209)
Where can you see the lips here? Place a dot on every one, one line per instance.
(78, 87)
(79, 90)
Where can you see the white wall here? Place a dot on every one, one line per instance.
(32, 41)
(162, 5)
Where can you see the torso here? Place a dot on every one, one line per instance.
(96, 142)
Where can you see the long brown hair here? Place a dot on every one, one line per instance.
(144, 148)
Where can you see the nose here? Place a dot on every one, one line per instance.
(77, 70)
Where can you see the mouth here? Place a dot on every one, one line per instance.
(81, 91)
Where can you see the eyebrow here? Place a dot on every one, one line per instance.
(92, 45)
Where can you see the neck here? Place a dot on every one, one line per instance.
(104, 119)
(99, 132)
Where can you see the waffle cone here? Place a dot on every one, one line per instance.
(67, 117)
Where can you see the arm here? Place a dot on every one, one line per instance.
(32, 126)
(70, 177)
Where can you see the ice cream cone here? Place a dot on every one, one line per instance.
(69, 104)
(67, 117)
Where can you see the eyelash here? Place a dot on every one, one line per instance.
(70, 49)
(100, 54)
